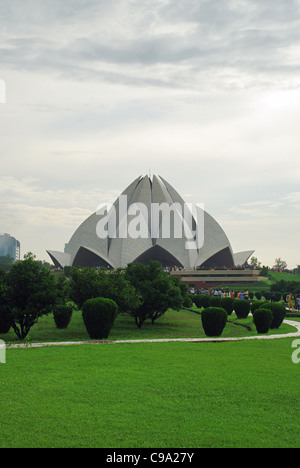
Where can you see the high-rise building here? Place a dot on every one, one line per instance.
(9, 246)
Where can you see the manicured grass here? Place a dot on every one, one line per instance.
(162, 395)
(275, 277)
(174, 324)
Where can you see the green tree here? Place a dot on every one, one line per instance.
(6, 262)
(157, 289)
(280, 264)
(255, 263)
(33, 293)
(89, 283)
(264, 271)
(5, 309)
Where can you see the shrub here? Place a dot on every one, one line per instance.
(62, 315)
(267, 295)
(262, 319)
(256, 305)
(241, 308)
(215, 301)
(227, 304)
(197, 300)
(99, 315)
(206, 301)
(278, 296)
(278, 312)
(214, 320)
(258, 296)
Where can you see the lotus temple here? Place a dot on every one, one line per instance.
(90, 247)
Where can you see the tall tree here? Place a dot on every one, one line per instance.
(89, 283)
(33, 293)
(280, 264)
(157, 289)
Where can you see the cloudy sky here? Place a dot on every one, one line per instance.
(205, 93)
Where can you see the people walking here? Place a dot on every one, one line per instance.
(289, 300)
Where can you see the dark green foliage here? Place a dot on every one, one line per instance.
(187, 298)
(227, 304)
(5, 306)
(241, 308)
(99, 315)
(277, 296)
(283, 286)
(89, 283)
(214, 320)
(267, 295)
(198, 300)
(32, 293)
(62, 315)
(278, 312)
(262, 319)
(201, 300)
(256, 305)
(206, 301)
(157, 290)
(5, 320)
(215, 301)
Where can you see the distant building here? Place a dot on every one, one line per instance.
(9, 246)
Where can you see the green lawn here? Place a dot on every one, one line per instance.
(162, 395)
(150, 395)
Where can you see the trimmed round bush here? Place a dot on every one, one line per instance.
(215, 301)
(99, 315)
(278, 296)
(256, 305)
(267, 295)
(278, 312)
(262, 319)
(214, 320)
(62, 315)
(5, 320)
(205, 301)
(197, 300)
(227, 304)
(241, 308)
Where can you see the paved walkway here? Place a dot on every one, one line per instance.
(165, 340)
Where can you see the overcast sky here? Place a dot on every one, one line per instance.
(205, 93)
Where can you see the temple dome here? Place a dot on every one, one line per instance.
(135, 209)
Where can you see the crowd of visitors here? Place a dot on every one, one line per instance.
(220, 293)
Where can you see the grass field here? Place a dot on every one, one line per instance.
(162, 395)
(150, 395)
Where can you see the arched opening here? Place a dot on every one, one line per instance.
(161, 255)
(87, 258)
(220, 259)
